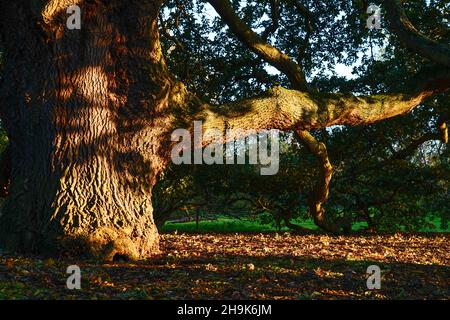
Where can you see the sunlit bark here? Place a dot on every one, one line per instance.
(86, 113)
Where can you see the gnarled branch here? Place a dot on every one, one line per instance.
(286, 109)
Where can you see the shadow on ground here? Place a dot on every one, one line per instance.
(247, 267)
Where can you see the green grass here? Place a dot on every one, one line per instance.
(435, 223)
(230, 225)
(220, 225)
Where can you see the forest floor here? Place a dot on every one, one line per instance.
(246, 266)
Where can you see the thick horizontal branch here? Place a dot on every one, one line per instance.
(285, 109)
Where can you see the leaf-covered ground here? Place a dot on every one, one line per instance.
(264, 266)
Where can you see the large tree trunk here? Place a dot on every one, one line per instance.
(84, 110)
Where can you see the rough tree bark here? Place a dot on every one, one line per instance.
(86, 113)
(89, 114)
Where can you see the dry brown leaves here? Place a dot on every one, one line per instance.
(263, 266)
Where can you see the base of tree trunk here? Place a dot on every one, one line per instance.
(109, 242)
(104, 244)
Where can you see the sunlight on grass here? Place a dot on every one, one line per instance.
(230, 225)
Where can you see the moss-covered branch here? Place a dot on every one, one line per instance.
(286, 109)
